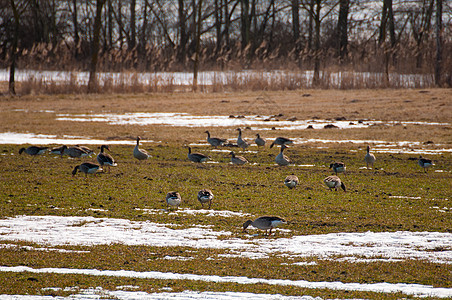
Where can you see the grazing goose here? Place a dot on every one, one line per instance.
(338, 167)
(333, 182)
(241, 142)
(264, 223)
(87, 168)
(74, 151)
(291, 181)
(281, 141)
(237, 160)
(33, 150)
(105, 159)
(260, 142)
(86, 149)
(196, 157)
(369, 158)
(138, 153)
(215, 142)
(173, 199)
(204, 196)
(282, 159)
(57, 151)
(425, 163)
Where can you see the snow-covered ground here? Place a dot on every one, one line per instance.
(409, 289)
(187, 120)
(53, 232)
(99, 293)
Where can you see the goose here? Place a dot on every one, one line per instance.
(204, 196)
(34, 150)
(338, 167)
(369, 158)
(334, 182)
(241, 142)
(425, 163)
(173, 199)
(74, 151)
(87, 168)
(58, 151)
(237, 160)
(86, 149)
(264, 223)
(105, 159)
(138, 153)
(260, 142)
(215, 142)
(291, 181)
(282, 159)
(281, 141)
(196, 157)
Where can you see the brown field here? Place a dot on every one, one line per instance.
(394, 196)
(433, 105)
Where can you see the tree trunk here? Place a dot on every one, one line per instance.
(296, 22)
(181, 51)
(344, 6)
(12, 68)
(391, 23)
(198, 45)
(109, 40)
(218, 21)
(133, 31)
(75, 22)
(439, 42)
(142, 42)
(92, 83)
(245, 22)
(316, 78)
(310, 24)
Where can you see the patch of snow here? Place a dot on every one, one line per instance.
(383, 287)
(45, 139)
(88, 231)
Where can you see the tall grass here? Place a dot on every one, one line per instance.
(134, 82)
(121, 70)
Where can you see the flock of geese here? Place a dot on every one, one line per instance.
(205, 196)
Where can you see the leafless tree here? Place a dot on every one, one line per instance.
(92, 83)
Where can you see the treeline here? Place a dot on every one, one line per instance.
(189, 35)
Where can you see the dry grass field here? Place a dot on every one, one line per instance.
(394, 200)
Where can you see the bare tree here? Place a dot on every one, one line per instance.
(198, 45)
(133, 31)
(439, 42)
(92, 83)
(342, 30)
(12, 68)
(420, 20)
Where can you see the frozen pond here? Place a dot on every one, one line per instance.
(208, 78)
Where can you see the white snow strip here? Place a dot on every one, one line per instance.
(100, 293)
(45, 139)
(206, 212)
(187, 120)
(29, 248)
(408, 289)
(87, 231)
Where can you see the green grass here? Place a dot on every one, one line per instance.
(44, 186)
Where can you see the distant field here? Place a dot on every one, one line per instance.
(388, 237)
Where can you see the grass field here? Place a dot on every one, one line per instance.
(396, 199)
